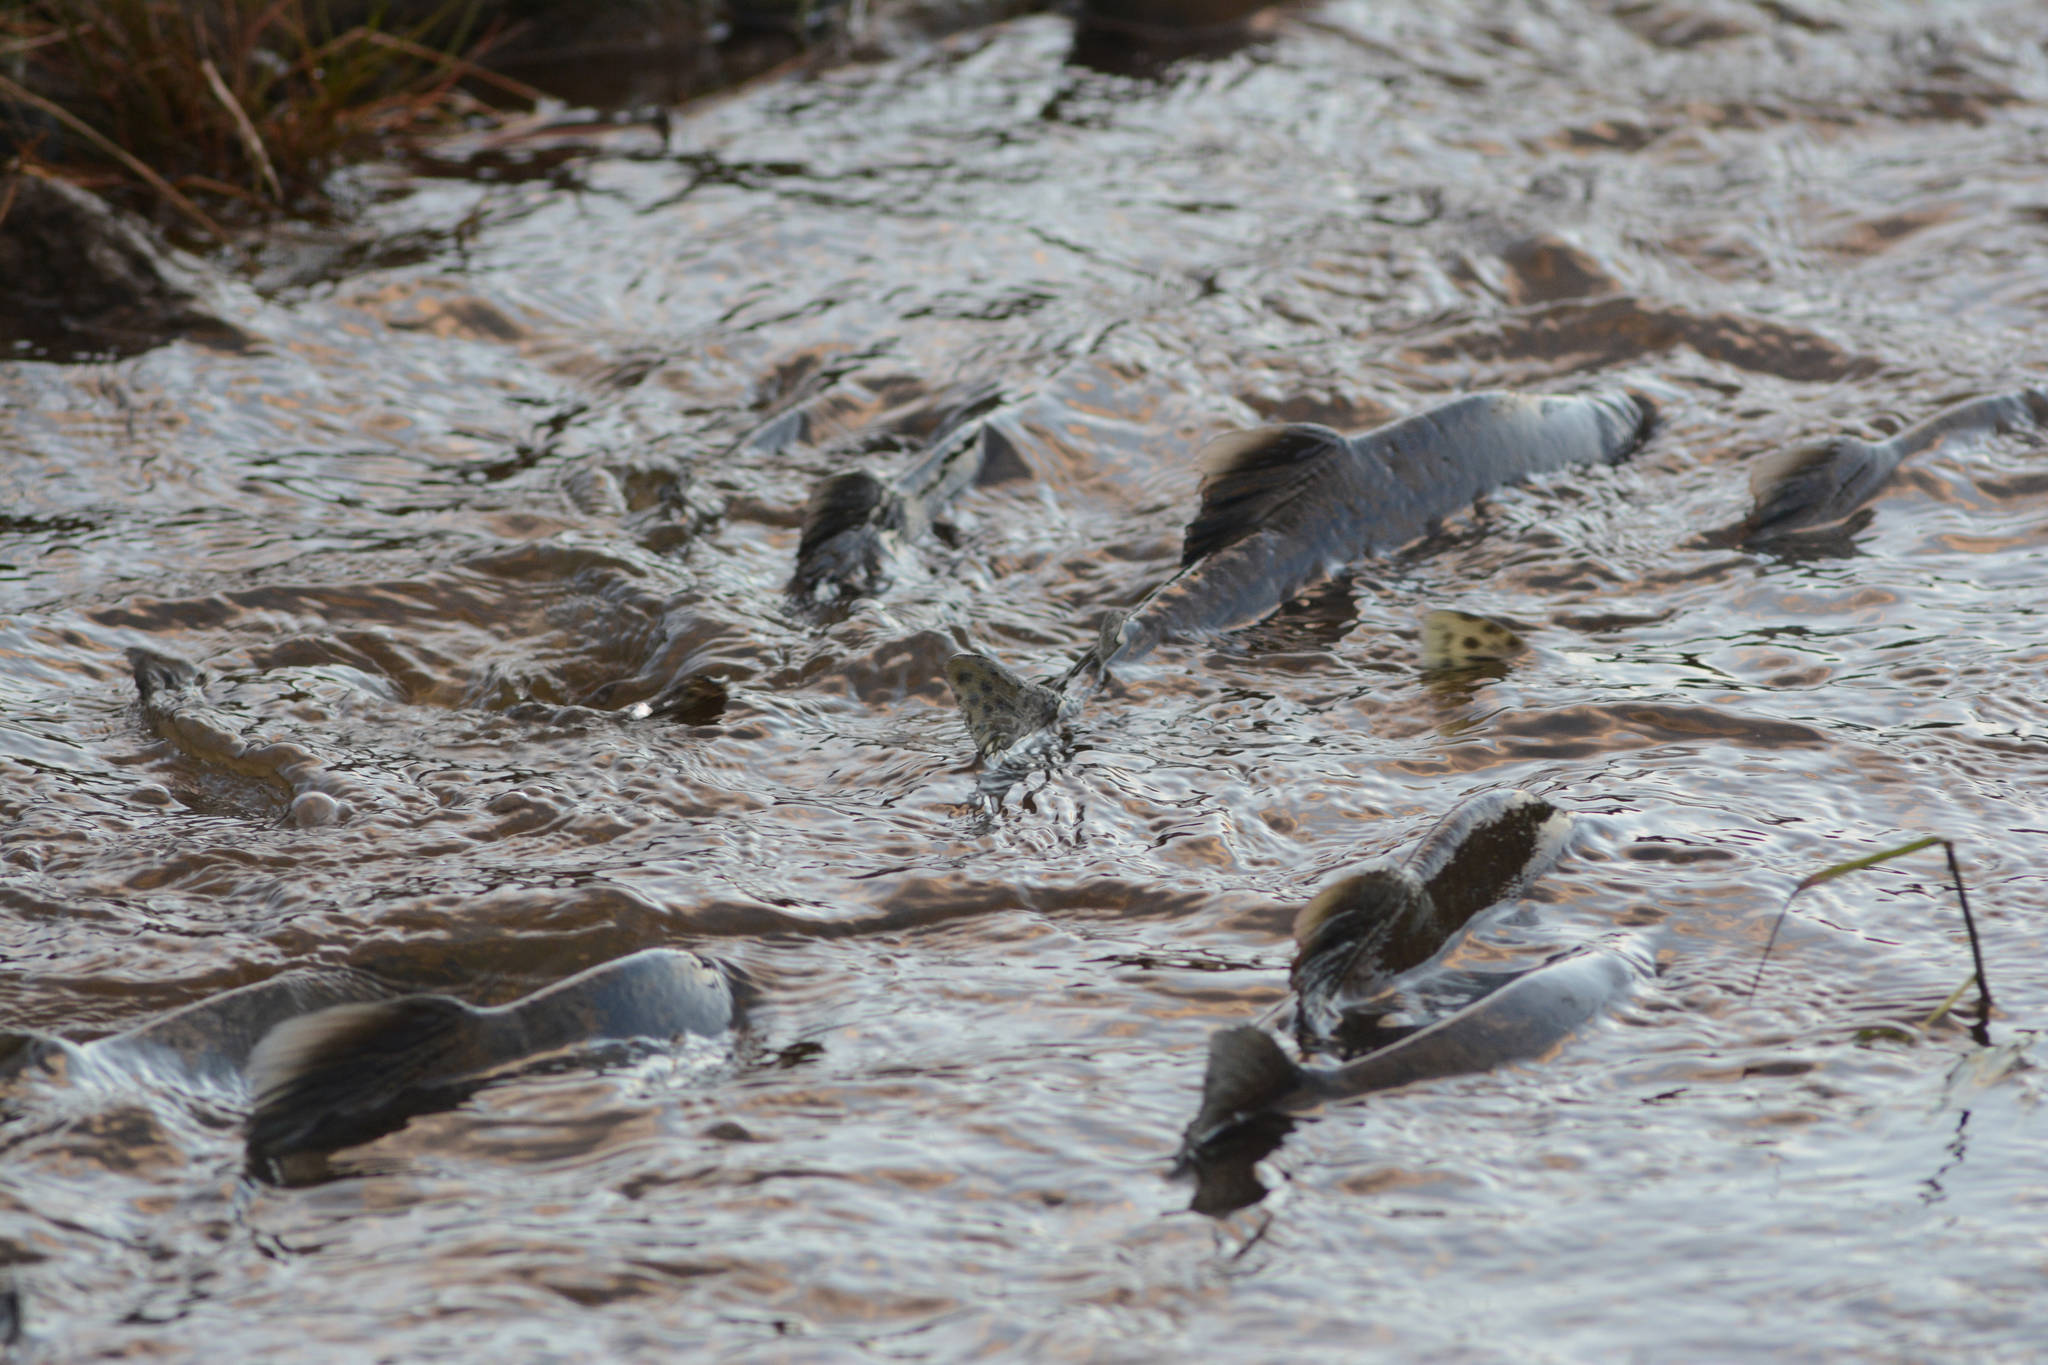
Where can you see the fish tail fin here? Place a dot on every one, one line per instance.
(1458, 639)
(1248, 1073)
(1811, 486)
(841, 548)
(999, 706)
(1247, 476)
(1649, 417)
(341, 1076)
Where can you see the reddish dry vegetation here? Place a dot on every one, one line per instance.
(231, 107)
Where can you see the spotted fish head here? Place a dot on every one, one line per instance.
(1458, 639)
(999, 706)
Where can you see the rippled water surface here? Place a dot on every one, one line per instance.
(510, 466)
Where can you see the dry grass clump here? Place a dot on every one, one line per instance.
(245, 106)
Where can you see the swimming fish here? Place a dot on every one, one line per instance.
(329, 1058)
(1362, 932)
(1283, 506)
(172, 692)
(341, 1076)
(1367, 975)
(1822, 483)
(857, 524)
(1250, 1075)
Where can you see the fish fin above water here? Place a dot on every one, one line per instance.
(1377, 894)
(842, 551)
(999, 706)
(1355, 936)
(1458, 639)
(1248, 1073)
(344, 1075)
(1249, 475)
(1486, 848)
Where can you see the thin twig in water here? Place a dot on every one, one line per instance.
(1940, 1011)
(1981, 1031)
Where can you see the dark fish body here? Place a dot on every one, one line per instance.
(1379, 937)
(1821, 484)
(857, 524)
(344, 1075)
(1361, 933)
(1284, 506)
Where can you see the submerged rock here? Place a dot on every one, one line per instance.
(86, 277)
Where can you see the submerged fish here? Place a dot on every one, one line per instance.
(344, 1075)
(1364, 931)
(858, 524)
(1370, 989)
(1284, 506)
(174, 704)
(330, 1058)
(1822, 483)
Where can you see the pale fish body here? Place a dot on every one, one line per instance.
(1284, 506)
(1249, 1074)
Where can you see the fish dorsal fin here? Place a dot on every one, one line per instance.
(1249, 475)
(1376, 894)
(1458, 639)
(324, 1080)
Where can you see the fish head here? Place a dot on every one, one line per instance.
(999, 706)
(1346, 908)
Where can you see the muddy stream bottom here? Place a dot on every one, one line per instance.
(491, 520)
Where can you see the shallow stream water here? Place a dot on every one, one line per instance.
(533, 446)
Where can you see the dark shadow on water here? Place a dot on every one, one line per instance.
(1151, 53)
(1793, 547)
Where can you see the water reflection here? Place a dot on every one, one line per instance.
(495, 524)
